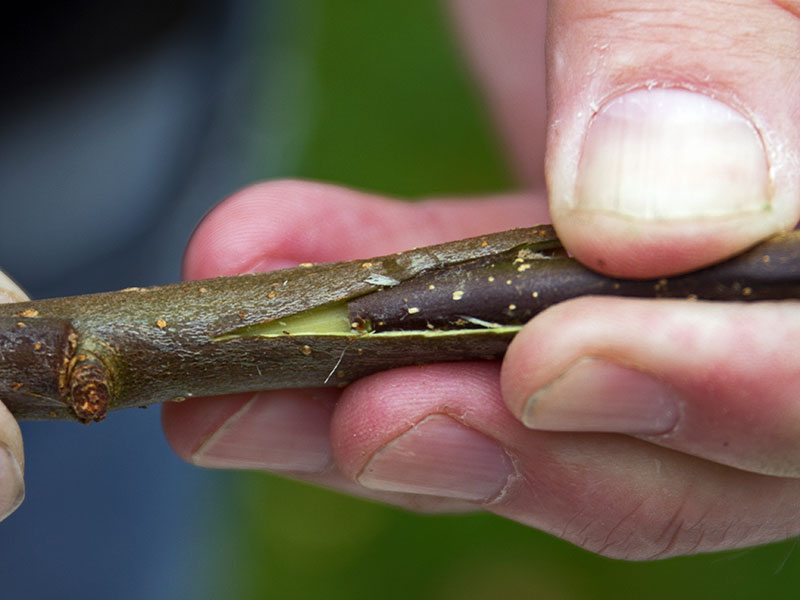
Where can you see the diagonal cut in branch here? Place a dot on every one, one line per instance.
(77, 358)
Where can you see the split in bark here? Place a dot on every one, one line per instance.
(76, 358)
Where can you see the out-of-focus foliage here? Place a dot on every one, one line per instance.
(380, 100)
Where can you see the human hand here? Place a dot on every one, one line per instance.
(12, 462)
(685, 410)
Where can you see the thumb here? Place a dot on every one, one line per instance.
(672, 140)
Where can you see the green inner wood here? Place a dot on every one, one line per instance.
(333, 320)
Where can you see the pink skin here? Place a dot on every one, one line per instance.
(636, 429)
(266, 226)
(741, 52)
(612, 494)
(12, 457)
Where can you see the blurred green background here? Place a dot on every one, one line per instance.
(374, 95)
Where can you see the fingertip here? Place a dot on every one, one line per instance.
(668, 180)
(248, 224)
(535, 355)
(427, 432)
(10, 290)
(12, 482)
(10, 434)
(188, 424)
(714, 380)
(380, 408)
(283, 223)
(621, 247)
(12, 464)
(667, 153)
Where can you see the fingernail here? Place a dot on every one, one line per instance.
(598, 395)
(440, 457)
(12, 482)
(670, 154)
(275, 432)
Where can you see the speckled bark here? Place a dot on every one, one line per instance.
(161, 343)
(76, 358)
(512, 287)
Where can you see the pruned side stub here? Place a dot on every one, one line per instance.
(89, 388)
(44, 375)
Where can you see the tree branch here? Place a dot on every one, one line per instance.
(76, 358)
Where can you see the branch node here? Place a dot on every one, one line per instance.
(89, 393)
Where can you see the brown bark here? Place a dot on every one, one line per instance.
(76, 358)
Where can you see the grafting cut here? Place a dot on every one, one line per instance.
(78, 358)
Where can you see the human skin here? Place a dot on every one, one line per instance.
(636, 429)
(12, 459)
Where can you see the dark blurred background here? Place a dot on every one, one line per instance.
(121, 124)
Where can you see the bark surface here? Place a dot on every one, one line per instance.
(77, 358)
